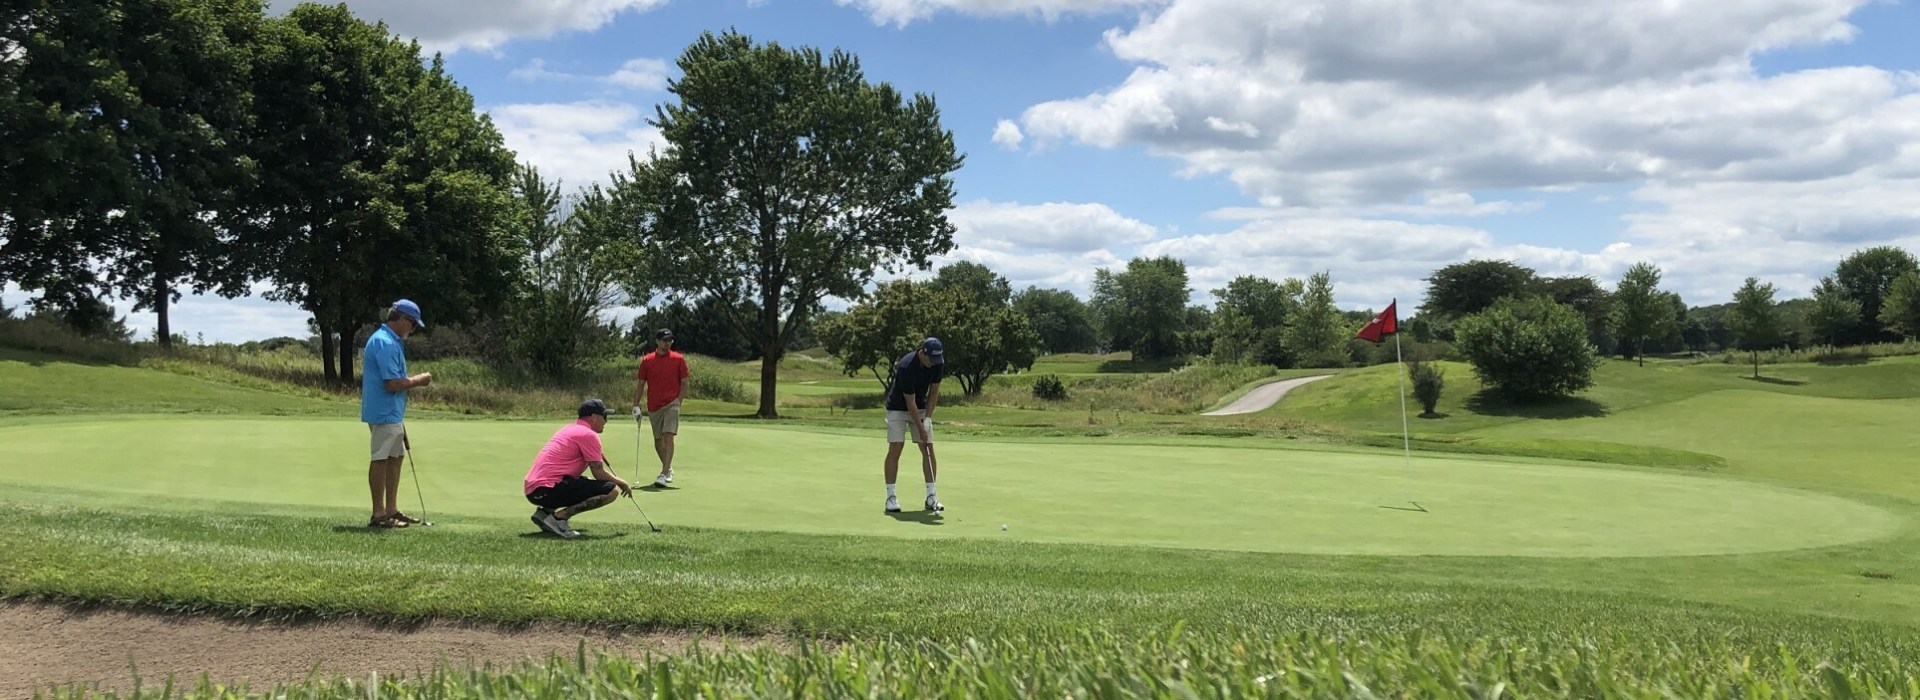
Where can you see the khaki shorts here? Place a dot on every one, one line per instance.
(898, 423)
(388, 440)
(665, 421)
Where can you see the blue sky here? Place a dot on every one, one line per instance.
(1373, 139)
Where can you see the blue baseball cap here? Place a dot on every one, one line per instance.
(412, 311)
(933, 348)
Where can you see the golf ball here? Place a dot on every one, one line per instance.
(1003, 526)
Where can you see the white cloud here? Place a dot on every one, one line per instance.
(200, 317)
(1006, 134)
(1052, 227)
(454, 25)
(578, 142)
(636, 74)
(902, 12)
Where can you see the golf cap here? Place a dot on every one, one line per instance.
(663, 334)
(593, 407)
(412, 311)
(933, 348)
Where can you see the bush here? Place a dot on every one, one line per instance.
(1428, 379)
(1529, 348)
(1049, 388)
(716, 387)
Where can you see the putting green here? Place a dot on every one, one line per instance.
(745, 477)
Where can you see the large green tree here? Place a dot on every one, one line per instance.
(124, 124)
(1754, 320)
(1143, 309)
(574, 260)
(1641, 311)
(1867, 275)
(787, 178)
(384, 182)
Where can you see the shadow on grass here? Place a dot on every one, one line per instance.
(1431, 416)
(1489, 404)
(1775, 380)
(918, 516)
(591, 534)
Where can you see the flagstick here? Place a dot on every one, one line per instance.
(1406, 437)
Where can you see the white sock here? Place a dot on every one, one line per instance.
(890, 491)
(930, 488)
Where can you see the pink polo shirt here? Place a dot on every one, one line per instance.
(567, 454)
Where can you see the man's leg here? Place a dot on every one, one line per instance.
(592, 502)
(896, 440)
(393, 484)
(376, 485)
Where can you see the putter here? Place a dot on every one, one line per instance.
(415, 471)
(643, 512)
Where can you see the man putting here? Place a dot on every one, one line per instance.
(554, 484)
(384, 385)
(911, 396)
(663, 381)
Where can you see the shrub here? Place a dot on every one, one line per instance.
(1529, 348)
(1428, 379)
(1049, 388)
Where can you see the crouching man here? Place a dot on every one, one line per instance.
(554, 483)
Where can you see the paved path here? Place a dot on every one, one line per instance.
(1264, 395)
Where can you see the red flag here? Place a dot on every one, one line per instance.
(1385, 324)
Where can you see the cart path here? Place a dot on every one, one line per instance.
(1264, 396)
(47, 643)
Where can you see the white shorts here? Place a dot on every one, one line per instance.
(897, 422)
(388, 440)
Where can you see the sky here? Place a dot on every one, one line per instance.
(1376, 140)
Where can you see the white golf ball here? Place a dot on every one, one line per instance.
(1003, 526)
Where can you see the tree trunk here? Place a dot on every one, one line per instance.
(162, 329)
(346, 355)
(1756, 364)
(770, 351)
(326, 351)
(769, 376)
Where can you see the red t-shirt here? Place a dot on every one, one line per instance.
(662, 375)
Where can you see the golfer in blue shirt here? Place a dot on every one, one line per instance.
(383, 407)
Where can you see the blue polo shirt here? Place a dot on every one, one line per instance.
(380, 361)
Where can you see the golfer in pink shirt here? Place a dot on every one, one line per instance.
(554, 483)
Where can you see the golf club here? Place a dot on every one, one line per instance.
(415, 471)
(643, 512)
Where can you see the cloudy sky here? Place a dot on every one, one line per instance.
(1375, 139)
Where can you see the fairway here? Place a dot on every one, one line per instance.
(755, 478)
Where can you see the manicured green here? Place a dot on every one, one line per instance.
(729, 476)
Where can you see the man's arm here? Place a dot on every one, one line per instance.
(604, 472)
(398, 381)
(933, 398)
(640, 389)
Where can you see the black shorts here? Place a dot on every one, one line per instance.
(569, 492)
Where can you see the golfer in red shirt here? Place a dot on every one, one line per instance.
(663, 381)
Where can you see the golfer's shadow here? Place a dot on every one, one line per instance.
(656, 488)
(918, 516)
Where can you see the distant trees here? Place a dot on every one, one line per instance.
(1900, 310)
(1867, 276)
(981, 337)
(1317, 337)
(1143, 308)
(1063, 322)
(1834, 313)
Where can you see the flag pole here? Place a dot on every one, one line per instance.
(1406, 435)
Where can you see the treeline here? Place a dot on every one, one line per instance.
(148, 146)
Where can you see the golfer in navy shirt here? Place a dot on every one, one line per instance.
(911, 396)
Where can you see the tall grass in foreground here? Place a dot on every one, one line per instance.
(1171, 664)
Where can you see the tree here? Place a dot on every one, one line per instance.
(1064, 323)
(1428, 381)
(1586, 296)
(987, 286)
(1528, 348)
(1317, 334)
(1867, 275)
(384, 182)
(785, 180)
(699, 326)
(1143, 308)
(1461, 289)
(1248, 310)
(1755, 319)
(981, 339)
(1833, 312)
(1641, 311)
(569, 275)
(1900, 310)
